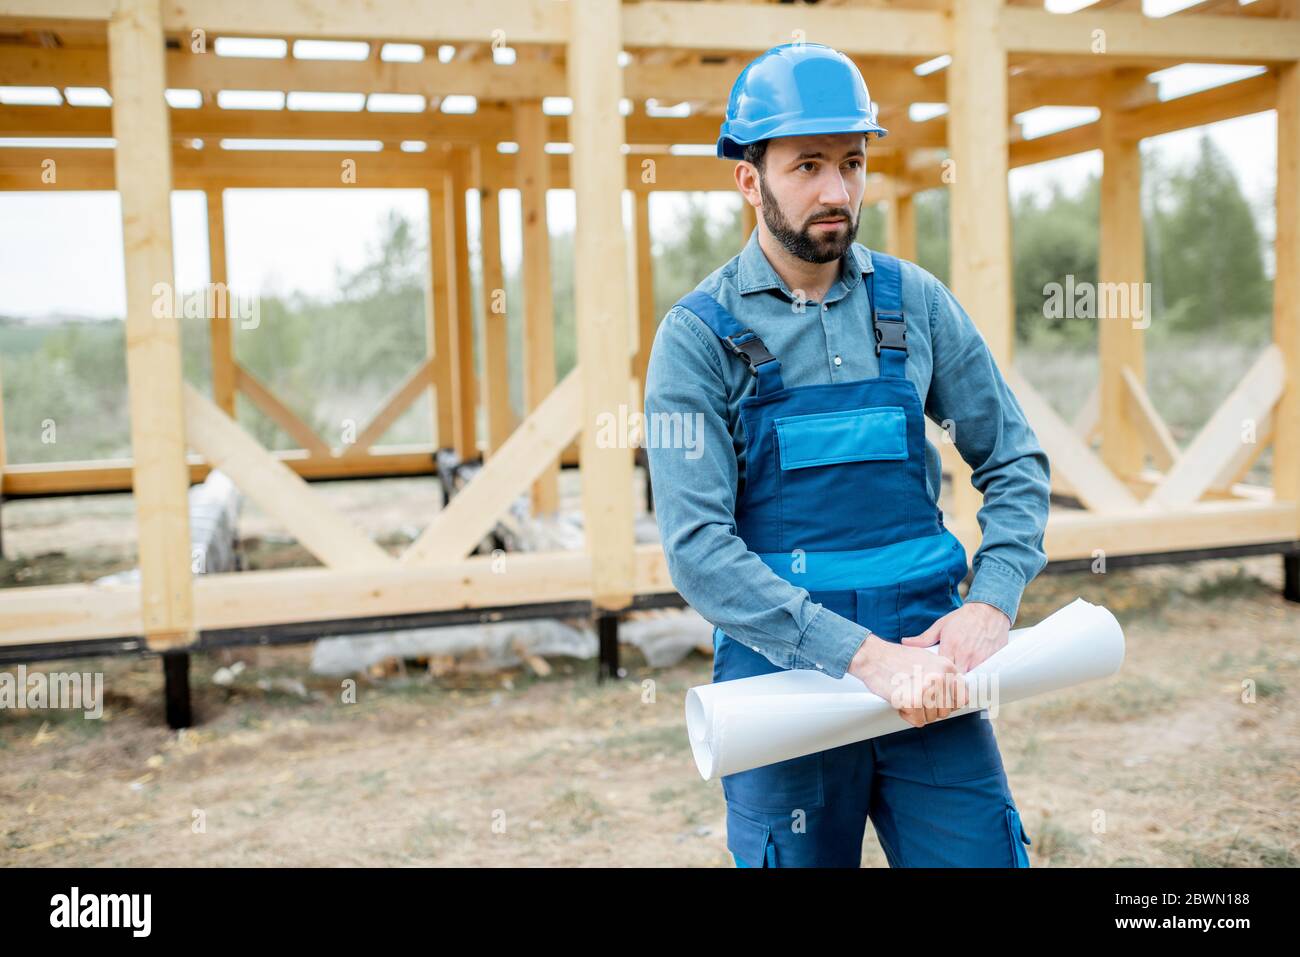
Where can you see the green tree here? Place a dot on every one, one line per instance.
(1054, 238)
(1203, 246)
(700, 245)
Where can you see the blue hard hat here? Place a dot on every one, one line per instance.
(796, 89)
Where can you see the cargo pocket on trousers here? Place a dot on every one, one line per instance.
(1016, 832)
(750, 840)
(778, 788)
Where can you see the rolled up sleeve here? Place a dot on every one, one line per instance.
(969, 396)
(693, 474)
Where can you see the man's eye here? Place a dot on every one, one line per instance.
(855, 163)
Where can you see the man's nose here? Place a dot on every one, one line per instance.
(834, 192)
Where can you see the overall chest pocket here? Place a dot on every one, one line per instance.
(832, 467)
(851, 435)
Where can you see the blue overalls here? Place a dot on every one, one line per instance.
(835, 500)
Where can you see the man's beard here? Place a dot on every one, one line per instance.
(801, 242)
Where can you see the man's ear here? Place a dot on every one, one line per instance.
(747, 182)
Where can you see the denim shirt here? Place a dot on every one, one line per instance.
(695, 484)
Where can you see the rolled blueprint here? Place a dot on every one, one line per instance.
(749, 722)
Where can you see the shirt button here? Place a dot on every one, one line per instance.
(819, 664)
(837, 360)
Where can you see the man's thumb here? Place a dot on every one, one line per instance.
(925, 638)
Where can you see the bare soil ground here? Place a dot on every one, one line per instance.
(1164, 764)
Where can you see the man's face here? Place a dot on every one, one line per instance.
(812, 190)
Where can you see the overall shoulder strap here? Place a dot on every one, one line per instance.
(740, 340)
(886, 292)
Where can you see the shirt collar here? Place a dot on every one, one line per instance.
(755, 274)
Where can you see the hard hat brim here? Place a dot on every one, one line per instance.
(731, 144)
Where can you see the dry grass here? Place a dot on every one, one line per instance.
(1162, 765)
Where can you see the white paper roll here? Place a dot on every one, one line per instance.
(749, 722)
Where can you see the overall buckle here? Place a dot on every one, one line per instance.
(753, 352)
(890, 333)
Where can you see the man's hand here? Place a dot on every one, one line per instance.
(968, 635)
(924, 687)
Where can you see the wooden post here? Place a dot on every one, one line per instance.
(647, 321)
(2, 458)
(980, 222)
(221, 347)
(3, 454)
(1286, 295)
(495, 396)
(1120, 338)
(601, 292)
(900, 223)
(160, 476)
(532, 172)
(440, 312)
(462, 176)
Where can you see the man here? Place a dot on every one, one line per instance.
(803, 521)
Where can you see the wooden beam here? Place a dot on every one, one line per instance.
(523, 21)
(46, 614)
(311, 594)
(1252, 95)
(59, 9)
(532, 174)
(114, 475)
(1155, 435)
(979, 224)
(83, 169)
(462, 177)
(1072, 534)
(52, 613)
(470, 515)
(1235, 422)
(221, 346)
(529, 79)
(441, 313)
(892, 83)
(900, 223)
(1083, 425)
(3, 453)
(1085, 421)
(1286, 283)
(1244, 455)
(647, 320)
(495, 308)
(1042, 149)
(276, 489)
(601, 280)
(489, 124)
(397, 401)
(1094, 484)
(755, 27)
(1193, 38)
(278, 412)
(153, 355)
(1121, 268)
